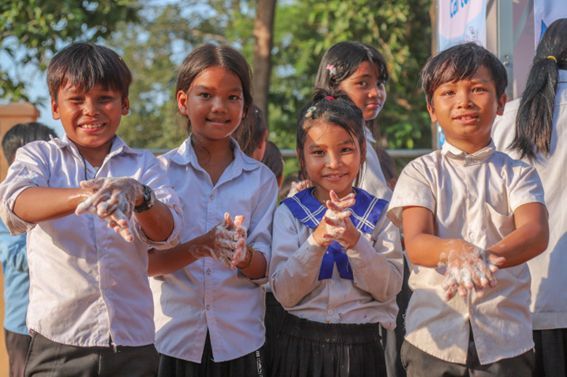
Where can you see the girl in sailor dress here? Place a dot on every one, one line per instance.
(336, 262)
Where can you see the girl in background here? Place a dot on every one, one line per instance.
(209, 303)
(540, 119)
(331, 325)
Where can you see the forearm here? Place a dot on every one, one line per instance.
(521, 245)
(157, 222)
(37, 204)
(428, 250)
(165, 262)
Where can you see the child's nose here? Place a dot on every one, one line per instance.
(89, 107)
(463, 99)
(218, 105)
(333, 160)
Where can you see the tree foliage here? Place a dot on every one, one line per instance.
(32, 30)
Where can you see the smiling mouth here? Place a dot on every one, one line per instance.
(91, 126)
(467, 118)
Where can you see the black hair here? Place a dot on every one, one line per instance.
(252, 130)
(534, 119)
(86, 65)
(273, 159)
(342, 60)
(21, 134)
(208, 56)
(335, 108)
(458, 63)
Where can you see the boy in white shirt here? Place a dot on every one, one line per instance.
(471, 218)
(90, 311)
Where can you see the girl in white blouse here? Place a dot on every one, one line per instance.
(336, 259)
(209, 303)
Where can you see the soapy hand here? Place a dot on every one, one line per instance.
(335, 224)
(229, 241)
(468, 267)
(297, 186)
(112, 199)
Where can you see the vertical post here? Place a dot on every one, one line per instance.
(505, 39)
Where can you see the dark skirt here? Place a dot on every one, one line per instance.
(250, 365)
(311, 349)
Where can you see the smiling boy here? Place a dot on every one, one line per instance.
(465, 210)
(91, 310)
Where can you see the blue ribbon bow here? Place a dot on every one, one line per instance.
(364, 215)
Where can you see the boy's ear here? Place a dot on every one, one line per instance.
(125, 106)
(431, 111)
(55, 109)
(182, 102)
(501, 104)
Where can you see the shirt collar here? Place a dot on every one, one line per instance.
(368, 135)
(482, 154)
(185, 155)
(118, 146)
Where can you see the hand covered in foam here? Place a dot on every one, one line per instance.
(468, 267)
(229, 241)
(297, 186)
(112, 199)
(336, 224)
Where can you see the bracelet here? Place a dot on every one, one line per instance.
(249, 255)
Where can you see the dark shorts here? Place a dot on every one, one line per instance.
(17, 346)
(51, 359)
(421, 364)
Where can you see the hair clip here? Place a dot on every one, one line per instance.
(310, 112)
(551, 57)
(329, 98)
(332, 69)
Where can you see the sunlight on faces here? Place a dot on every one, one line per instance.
(90, 119)
(213, 103)
(331, 158)
(466, 109)
(366, 90)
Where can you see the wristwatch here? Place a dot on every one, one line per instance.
(149, 200)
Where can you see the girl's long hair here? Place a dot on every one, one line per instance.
(534, 120)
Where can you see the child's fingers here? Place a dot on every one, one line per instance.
(238, 220)
(228, 221)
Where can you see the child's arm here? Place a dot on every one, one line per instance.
(378, 264)
(36, 204)
(528, 239)
(294, 267)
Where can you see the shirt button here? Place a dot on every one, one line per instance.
(208, 271)
(207, 307)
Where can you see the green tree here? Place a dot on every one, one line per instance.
(32, 30)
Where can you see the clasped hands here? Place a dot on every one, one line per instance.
(113, 200)
(335, 224)
(468, 267)
(226, 242)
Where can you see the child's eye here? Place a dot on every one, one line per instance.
(234, 98)
(479, 89)
(204, 95)
(106, 99)
(347, 150)
(317, 153)
(362, 84)
(448, 92)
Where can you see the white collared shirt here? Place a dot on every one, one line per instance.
(376, 262)
(87, 285)
(372, 179)
(549, 296)
(472, 197)
(206, 295)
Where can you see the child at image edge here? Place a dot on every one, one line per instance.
(90, 309)
(336, 258)
(209, 311)
(465, 210)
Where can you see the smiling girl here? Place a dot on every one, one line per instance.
(207, 292)
(337, 263)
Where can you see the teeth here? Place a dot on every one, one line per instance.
(91, 126)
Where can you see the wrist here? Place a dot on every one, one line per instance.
(248, 260)
(148, 200)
